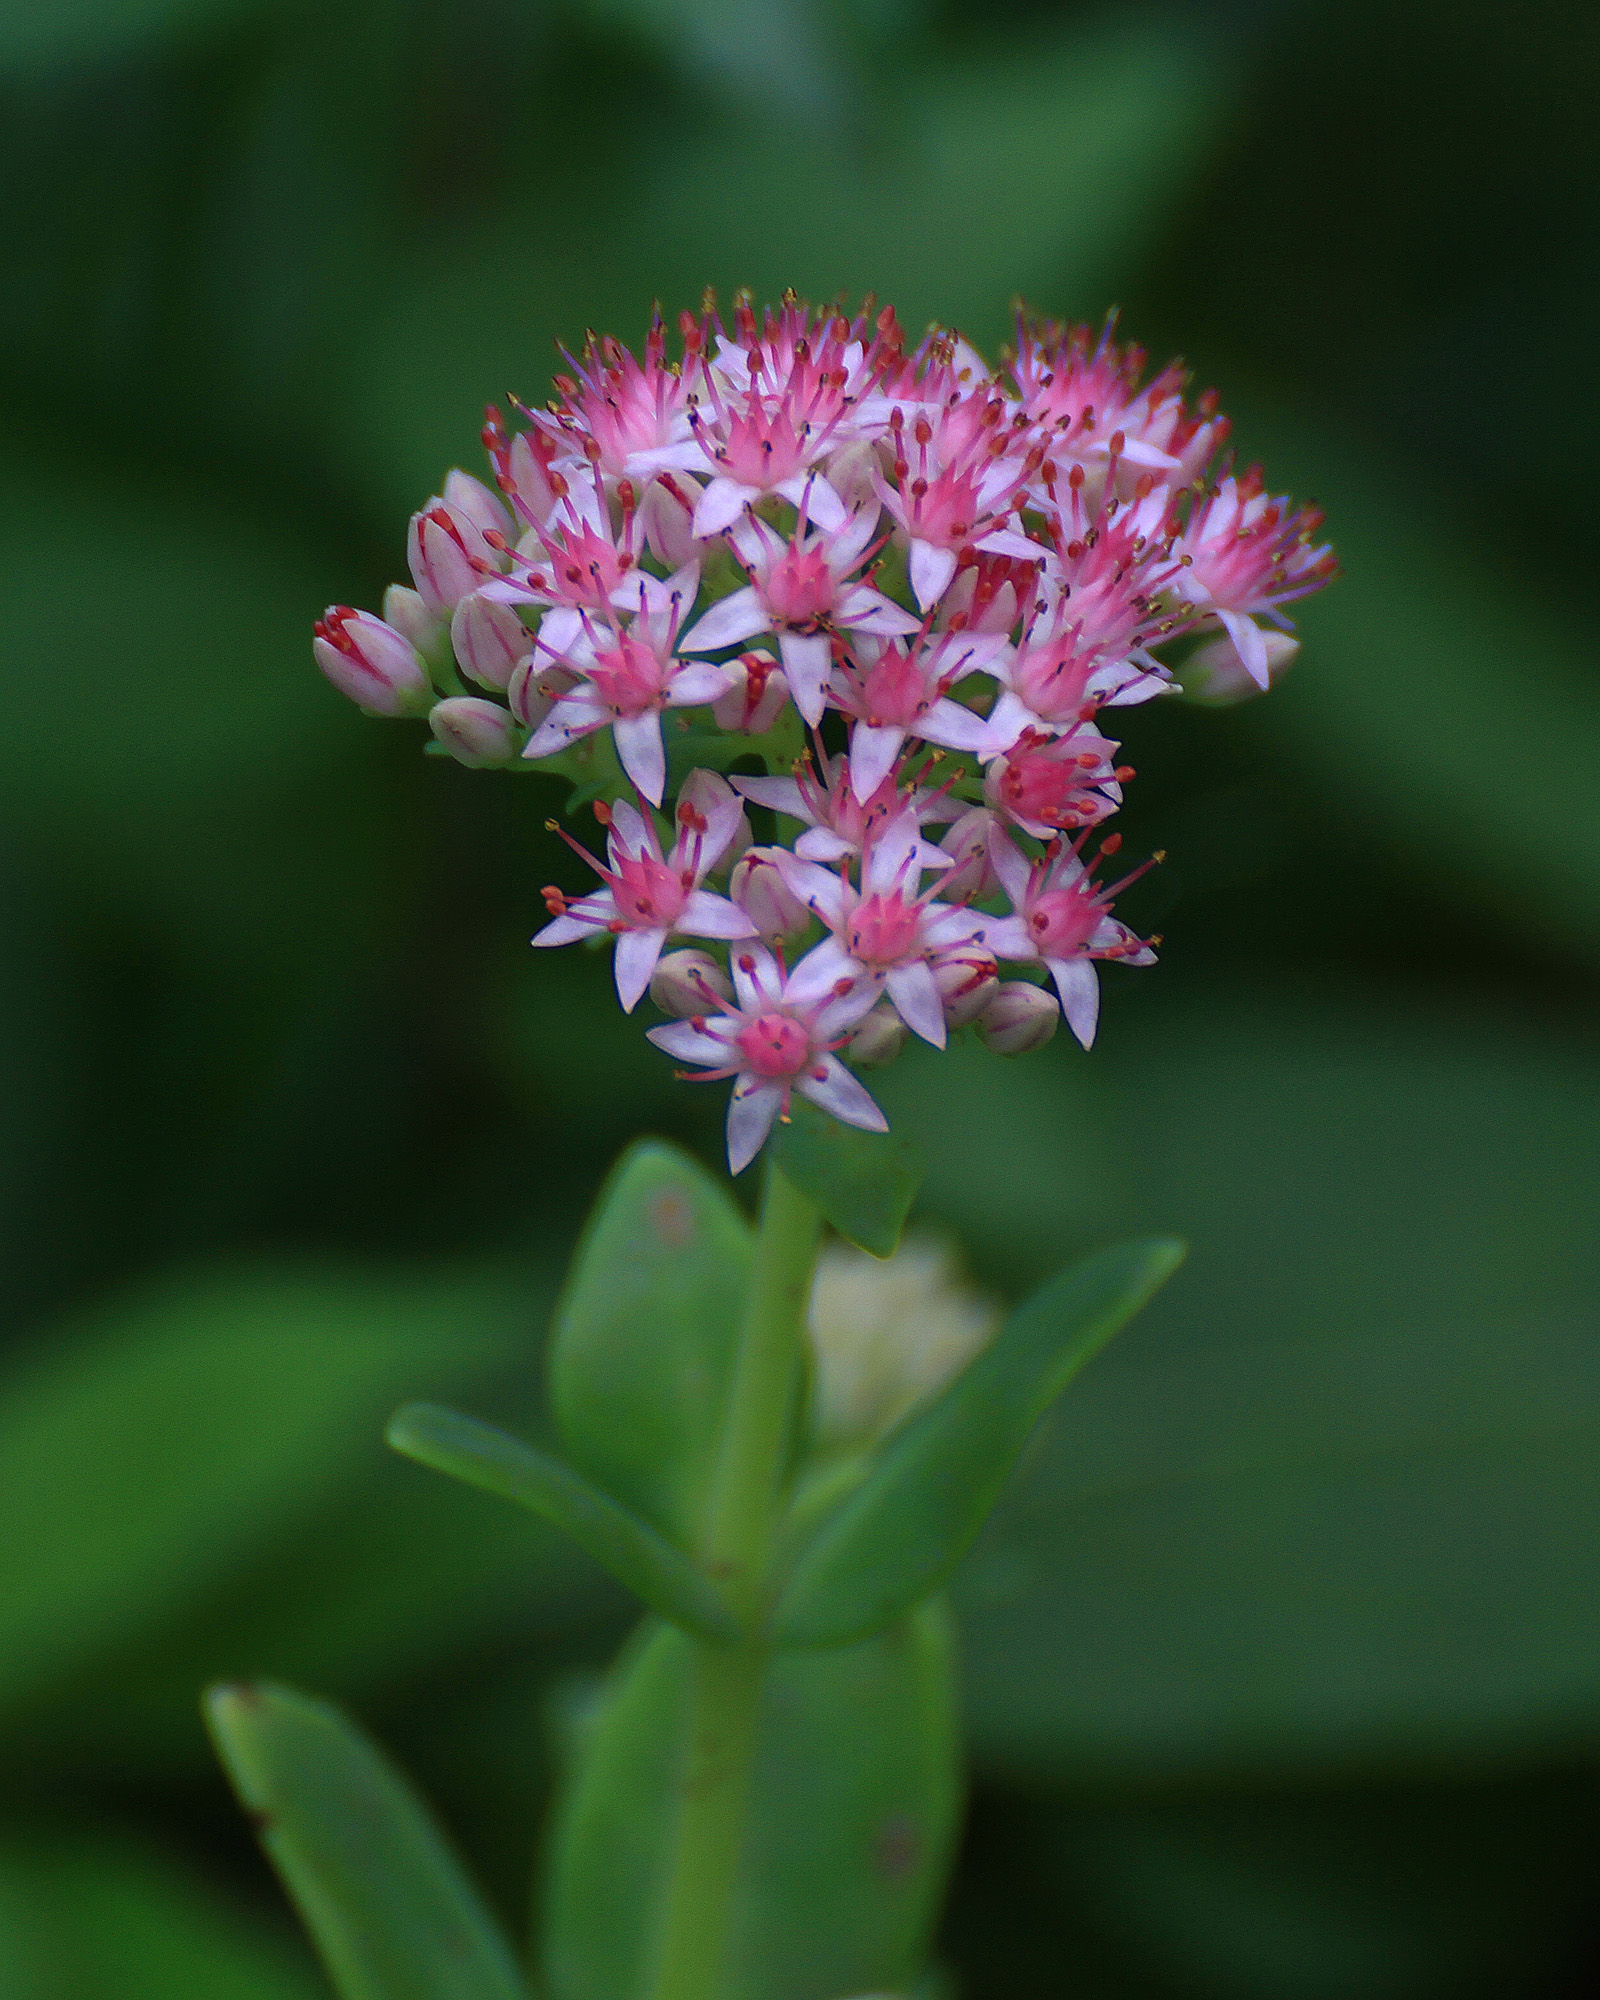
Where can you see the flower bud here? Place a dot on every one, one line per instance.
(759, 889)
(1215, 676)
(972, 877)
(666, 516)
(411, 618)
(470, 500)
(686, 983)
(534, 689)
(967, 980)
(878, 1040)
(755, 701)
(1019, 1017)
(448, 556)
(475, 732)
(490, 640)
(371, 662)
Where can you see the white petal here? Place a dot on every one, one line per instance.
(807, 663)
(567, 721)
(1080, 994)
(827, 893)
(821, 843)
(756, 978)
(751, 1110)
(892, 855)
(872, 755)
(633, 833)
(822, 968)
(1250, 643)
(568, 929)
(839, 1093)
(698, 681)
(633, 963)
(708, 916)
(710, 1046)
(1009, 937)
(932, 571)
(739, 616)
(866, 610)
(915, 992)
(640, 752)
(721, 504)
(1010, 864)
(955, 726)
(782, 794)
(824, 508)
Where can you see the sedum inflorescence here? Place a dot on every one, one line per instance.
(806, 548)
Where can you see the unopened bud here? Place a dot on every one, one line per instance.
(411, 618)
(1216, 677)
(666, 514)
(490, 640)
(972, 878)
(686, 983)
(475, 732)
(448, 556)
(371, 662)
(967, 981)
(470, 500)
(1018, 1018)
(534, 689)
(878, 1040)
(755, 701)
(759, 889)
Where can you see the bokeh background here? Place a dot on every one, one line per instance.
(1283, 1656)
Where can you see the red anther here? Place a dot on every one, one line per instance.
(1075, 477)
(924, 431)
(1123, 773)
(554, 901)
(1111, 844)
(746, 962)
(558, 485)
(1119, 443)
(918, 488)
(602, 812)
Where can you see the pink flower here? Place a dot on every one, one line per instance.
(614, 410)
(370, 662)
(898, 691)
(578, 556)
(1062, 920)
(1090, 398)
(885, 930)
(1051, 784)
(628, 677)
(798, 589)
(955, 486)
(778, 1039)
(1242, 553)
(838, 824)
(649, 897)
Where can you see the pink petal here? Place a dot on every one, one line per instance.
(932, 572)
(633, 963)
(737, 617)
(1080, 995)
(807, 663)
(872, 755)
(1250, 643)
(721, 504)
(708, 916)
(567, 721)
(688, 1043)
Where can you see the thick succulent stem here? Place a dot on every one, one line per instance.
(727, 1682)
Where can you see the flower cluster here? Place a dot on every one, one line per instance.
(797, 568)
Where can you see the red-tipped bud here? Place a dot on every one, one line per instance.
(477, 733)
(766, 899)
(1019, 1017)
(371, 662)
(470, 500)
(878, 1040)
(689, 984)
(754, 703)
(973, 877)
(447, 550)
(490, 640)
(534, 688)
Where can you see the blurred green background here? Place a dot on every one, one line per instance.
(1283, 1656)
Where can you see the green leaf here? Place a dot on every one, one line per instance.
(864, 1182)
(67, 30)
(89, 1918)
(388, 1905)
(644, 1337)
(176, 1435)
(630, 1548)
(852, 1815)
(901, 1532)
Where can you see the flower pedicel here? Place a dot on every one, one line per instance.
(910, 585)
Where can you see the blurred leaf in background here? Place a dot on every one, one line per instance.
(1282, 1654)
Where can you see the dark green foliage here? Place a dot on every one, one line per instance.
(864, 1182)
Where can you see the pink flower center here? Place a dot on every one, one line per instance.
(883, 930)
(1051, 679)
(628, 679)
(648, 894)
(1062, 921)
(761, 451)
(893, 691)
(774, 1045)
(1036, 785)
(799, 587)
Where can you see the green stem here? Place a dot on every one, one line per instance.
(726, 1692)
